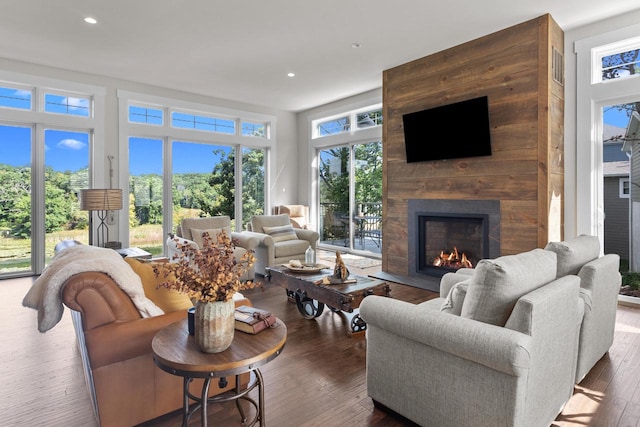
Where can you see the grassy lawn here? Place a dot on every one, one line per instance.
(15, 254)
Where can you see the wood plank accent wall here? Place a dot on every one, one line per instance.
(513, 67)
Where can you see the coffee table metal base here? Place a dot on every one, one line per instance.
(236, 395)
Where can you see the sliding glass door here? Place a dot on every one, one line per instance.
(350, 197)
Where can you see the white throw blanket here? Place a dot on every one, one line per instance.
(45, 295)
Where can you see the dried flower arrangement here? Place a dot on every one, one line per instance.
(209, 274)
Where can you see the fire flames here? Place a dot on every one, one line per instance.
(452, 260)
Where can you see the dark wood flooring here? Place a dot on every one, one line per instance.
(318, 380)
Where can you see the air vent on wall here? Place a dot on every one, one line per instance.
(557, 67)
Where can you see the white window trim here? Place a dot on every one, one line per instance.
(591, 96)
(166, 132)
(351, 114)
(621, 188)
(93, 124)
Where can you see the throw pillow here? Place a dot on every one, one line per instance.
(497, 284)
(168, 300)
(453, 302)
(574, 253)
(213, 234)
(281, 233)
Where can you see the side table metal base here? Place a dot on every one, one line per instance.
(202, 401)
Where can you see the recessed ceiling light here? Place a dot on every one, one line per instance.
(291, 74)
(356, 45)
(90, 20)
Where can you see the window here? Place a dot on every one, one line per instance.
(70, 105)
(331, 127)
(257, 130)
(11, 97)
(624, 188)
(621, 65)
(353, 121)
(150, 116)
(210, 124)
(46, 160)
(175, 172)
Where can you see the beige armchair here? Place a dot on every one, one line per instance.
(278, 241)
(191, 230)
(298, 215)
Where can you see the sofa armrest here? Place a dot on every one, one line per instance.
(262, 239)
(120, 341)
(308, 235)
(498, 348)
(245, 240)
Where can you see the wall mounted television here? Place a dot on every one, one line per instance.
(450, 131)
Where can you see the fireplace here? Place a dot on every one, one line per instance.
(447, 242)
(451, 230)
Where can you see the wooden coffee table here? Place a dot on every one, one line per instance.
(176, 352)
(311, 298)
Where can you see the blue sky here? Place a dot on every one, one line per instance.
(69, 151)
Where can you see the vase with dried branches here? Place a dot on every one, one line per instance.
(210, 276)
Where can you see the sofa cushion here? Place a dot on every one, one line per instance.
(197, 233)
(496, 285)
(204, 223)
(455, 298)
(574, 253)
(280, 233)
(168, 300)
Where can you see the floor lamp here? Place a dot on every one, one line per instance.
(101, 201)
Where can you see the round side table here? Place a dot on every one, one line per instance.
(176, 352)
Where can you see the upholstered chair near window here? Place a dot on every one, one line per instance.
(298, 215)
(278, 241)
(190, 232)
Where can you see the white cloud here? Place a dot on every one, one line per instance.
(71, 144)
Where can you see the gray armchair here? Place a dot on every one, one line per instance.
(191, 229)
(278, 241)
(509, 359)
(600, 282)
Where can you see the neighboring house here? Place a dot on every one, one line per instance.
(615, 170)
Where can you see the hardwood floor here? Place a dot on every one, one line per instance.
(318, 380)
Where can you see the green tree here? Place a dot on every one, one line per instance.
(252, 184)
(334, 178)
(222, 180)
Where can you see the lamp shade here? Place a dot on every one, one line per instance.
(101, 199)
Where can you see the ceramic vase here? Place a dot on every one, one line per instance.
(214, 325)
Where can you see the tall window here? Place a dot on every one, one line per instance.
(46, 143)
(607, 98)
(183, 163)
(350, 193)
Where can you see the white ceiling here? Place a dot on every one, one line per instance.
(242, 50)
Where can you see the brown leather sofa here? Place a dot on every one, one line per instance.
(127, 387)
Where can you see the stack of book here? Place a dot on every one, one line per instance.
(253, 320)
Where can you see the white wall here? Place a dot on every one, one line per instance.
(283, 159)
(579, 220)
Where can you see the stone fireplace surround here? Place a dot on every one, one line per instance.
(489, 209)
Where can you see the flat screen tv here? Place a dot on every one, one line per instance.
(448, 132)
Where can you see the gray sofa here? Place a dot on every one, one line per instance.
(507, 359)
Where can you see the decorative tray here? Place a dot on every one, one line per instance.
(307, 269)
